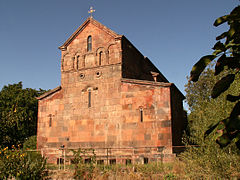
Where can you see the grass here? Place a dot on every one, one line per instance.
(168, 171)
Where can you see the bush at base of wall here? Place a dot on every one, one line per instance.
(20, 164)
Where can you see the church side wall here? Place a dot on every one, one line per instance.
(146, 116)
(49, 115)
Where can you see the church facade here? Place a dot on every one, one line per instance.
(111, 96)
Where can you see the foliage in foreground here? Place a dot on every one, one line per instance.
(84, 161)
(206, 160)
(211, 162)
(30, 143)
(227, 54)
(20, 164)
(18, 114)
(204, 110)
(86, 167)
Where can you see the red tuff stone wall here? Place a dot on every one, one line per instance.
(77, 59)
(114, 118)
(76, 124)
(49, 115)
(153, 127)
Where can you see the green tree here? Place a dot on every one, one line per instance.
(30, 143)
(204, 110)
(18, 114)
(227, 54)
(204, 158)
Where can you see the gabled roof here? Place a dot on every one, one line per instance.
(83, 26)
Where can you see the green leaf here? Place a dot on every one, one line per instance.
(224, 140)
(232, 98)
(210, 129)
(231, 31)
(232, 62)
(236, 110)
(235, 12)
(222, 85)
(222, 124)
(219, 67)
(223, 35)
(233, 126)
(219, 46)
(221, 20)
(237, 138)
(200, 66)
(238, 144)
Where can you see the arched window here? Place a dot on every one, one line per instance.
(89, 43)
(100, 58)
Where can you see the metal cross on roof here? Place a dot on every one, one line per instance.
(91, 11)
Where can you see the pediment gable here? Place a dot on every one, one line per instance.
(83, 26)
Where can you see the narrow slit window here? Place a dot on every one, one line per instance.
(89, 43)
(89, 98)
(141, 114)
(50, 120)
(100, 58)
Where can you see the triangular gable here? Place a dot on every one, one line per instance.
(83, 26)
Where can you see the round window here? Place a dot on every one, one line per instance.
(98, 74)
(81, 75)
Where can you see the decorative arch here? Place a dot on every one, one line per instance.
(113, 56)
(110, 46)
(80, 61)
(68, 62)
(102, 58)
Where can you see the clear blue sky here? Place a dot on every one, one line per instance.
(174, 34)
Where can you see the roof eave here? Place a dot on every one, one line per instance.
(48, 93)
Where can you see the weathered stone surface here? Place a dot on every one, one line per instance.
(108, 97)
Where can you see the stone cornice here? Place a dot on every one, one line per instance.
(95, 67)
(146, 82)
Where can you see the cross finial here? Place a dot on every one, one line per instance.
(91, 11)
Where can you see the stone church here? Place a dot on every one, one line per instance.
(111, 96)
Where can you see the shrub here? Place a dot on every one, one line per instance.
(85, 161)
(20, 164)
(30, 143)
(169, 176)
(211, 162)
